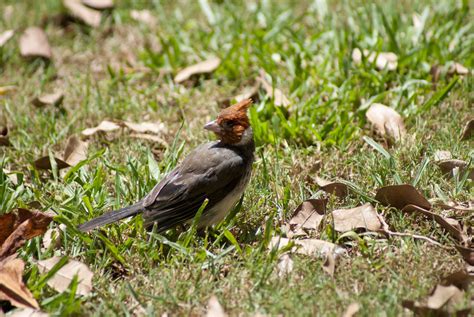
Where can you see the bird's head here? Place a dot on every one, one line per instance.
(232, 123)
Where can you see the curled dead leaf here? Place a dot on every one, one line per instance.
(383, 60)
(61, 280)
(351, 310)
(54, 99)
(34, 43)
(452, 167)
(334, 188)
(104, 126)
(87, 15)
(12, 288)
(386, 121)
(19, 226)
(399, 196)
(468, 131)
(458, 69)
(279, 99)
(214, 308)
(99, 4)
(205, 67)
(74, 152)
(144, 16)
(4, 139)
(308, 215)
(5, 36)
(362, 217)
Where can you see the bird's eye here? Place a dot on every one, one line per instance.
(228, 124)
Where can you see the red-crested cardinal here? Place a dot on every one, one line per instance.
(218, 171)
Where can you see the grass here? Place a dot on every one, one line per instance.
(306, 49)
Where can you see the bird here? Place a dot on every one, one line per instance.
(218, 171)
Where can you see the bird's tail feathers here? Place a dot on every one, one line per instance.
(110, 217)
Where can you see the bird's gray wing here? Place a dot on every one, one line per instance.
(208, 172)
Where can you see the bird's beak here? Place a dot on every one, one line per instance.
(213, 126)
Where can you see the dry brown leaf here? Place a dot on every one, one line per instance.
(453, 167)
(351, 310)
(63, 277)
(386, 121)
(468, 131)
(99, 4)
(279, 99)
(334, 188)
(329, 265)
(144, 16)
(382, 60)
(27, 312)
(308, 215)
(445, 223)
(441, 155)
(399, 196)
(54, 99)
(467, 253)
(12, 288)
(104, 126)
(5, 90)
(4, 139)
(206, 67)
(74, 152)
(214, 308)
(310, 247)
(87, 15)
(362, 217)
(145, 127)
(458, 69)
(34, 43)
(461, 279)
(5, 36)
(20, 226)
(285, 265)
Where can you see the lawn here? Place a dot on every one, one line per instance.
(124, 70)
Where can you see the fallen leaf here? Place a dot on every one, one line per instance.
(87, 15)
(74, 152)
(468, 131)
(104, 126)
(452, 167)
(467, 253)
(399, 196)
(99, 4)
(382, 60)
(362, 217)
(310, 247)
(279, 99)
(22, 225)
(329, 265)
(351, 310)
(285, 265)
(144, 16)
(34, 43)
(334, 188)
(52, 237)
(441, 155)
(308, 215)
(386, 121)
(61, 280)
(458, 69)
(12, 288)
(445, 223)
(206, 67)
(4, 139)
(27, 312)
(5, 36)
(5, 90)
(150, 137)
(461, 279)
(144, 127)
(214, 308)
(12, 176)
(54, 99)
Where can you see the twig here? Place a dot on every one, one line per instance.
(385, 229)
